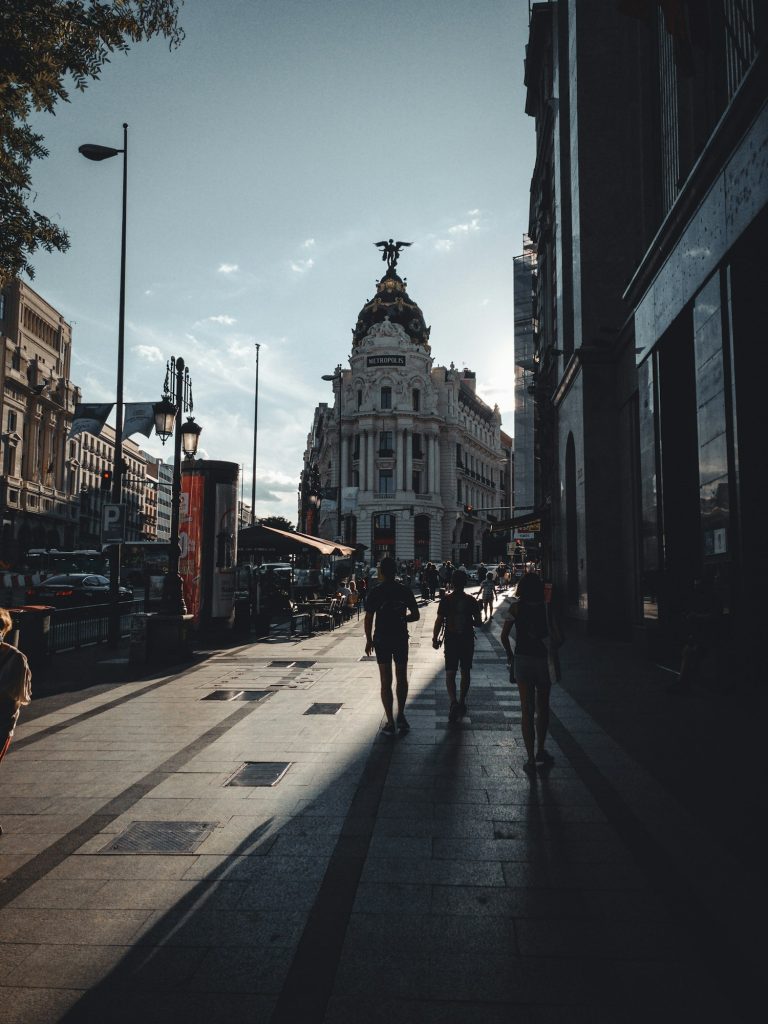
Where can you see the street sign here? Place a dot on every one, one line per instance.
(113, 524)
(525, 536)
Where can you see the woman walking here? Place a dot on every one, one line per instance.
(531, 666)
(15, 684)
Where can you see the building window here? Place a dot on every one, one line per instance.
(459, 460)
(2, 306)
(416, 482)
(359, 399)
(386, 398)
(386, 481)
(16, 359)
(11, 420)
(458, 489)
(356, 447)
(416, 400)
(416, 449)
(355, 478)
(385, 444)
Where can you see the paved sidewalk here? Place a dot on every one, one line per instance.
(421, 879)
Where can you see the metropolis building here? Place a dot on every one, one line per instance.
(415, 452)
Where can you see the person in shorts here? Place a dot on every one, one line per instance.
(487, 594)
(459, 614)
(389, 608)
(531, 666)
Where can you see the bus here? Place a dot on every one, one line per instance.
(143, 558)
(52, 562)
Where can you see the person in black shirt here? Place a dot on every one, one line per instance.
(459, 613)
(531, 665)
(392, 606)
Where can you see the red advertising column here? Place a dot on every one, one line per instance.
(208, 537)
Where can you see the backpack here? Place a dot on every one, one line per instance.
(457, 609)
(390, 617)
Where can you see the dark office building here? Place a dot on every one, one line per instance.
(648, 213)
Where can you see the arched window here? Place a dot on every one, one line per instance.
(386, 398)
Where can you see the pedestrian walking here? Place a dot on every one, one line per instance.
(15, 684)
(487, 593)
(389, 608)
(459, 614)
(531, 666)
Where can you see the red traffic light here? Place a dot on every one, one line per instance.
(106, 479)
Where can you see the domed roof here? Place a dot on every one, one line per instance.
(392, 302)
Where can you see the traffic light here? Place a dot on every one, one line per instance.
(106, 479)
(469, 510)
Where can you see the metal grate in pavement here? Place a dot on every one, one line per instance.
(291, 664)
(253, 695)
(223, 695)
(160, 837)
(259, 773)
(323, 709)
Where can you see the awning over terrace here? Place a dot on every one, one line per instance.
(286, 542)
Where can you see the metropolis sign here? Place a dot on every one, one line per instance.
(386, 361)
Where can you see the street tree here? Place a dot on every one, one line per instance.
(46, 46)
(278, 523)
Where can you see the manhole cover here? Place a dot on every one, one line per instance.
(322, 709)
(259, 773)
(160, 837)
(223, 695)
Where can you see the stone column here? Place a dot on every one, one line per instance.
(344, 461)
(437, 464)
(362, 461)
(369, 470)
(399, 464)
(431, 463)
(409, 461)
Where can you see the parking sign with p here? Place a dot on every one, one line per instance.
(113, 524)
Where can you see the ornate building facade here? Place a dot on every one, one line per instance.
(415, 453)
(39, 487)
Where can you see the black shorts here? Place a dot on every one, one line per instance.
(390, 649)
(459, 650)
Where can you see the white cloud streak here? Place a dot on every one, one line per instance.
(228, 268)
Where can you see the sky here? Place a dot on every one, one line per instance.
(266, 155)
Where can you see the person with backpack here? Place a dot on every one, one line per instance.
(531, 666)
(391, 606)
(458, 614)
(487, 594)
(15, 684)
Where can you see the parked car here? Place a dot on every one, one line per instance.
(72, 589)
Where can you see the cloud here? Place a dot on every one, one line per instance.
(302, 266)
(444, 244)
(473, 224)
(228, 268)
(223, 318)
(149, 353)
(308, 243)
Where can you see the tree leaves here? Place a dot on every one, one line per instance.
(43, 45)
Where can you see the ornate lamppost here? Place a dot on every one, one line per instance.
(177, 398)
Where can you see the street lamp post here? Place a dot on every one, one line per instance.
(177, 398)
(98, 153)
(337, 377)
